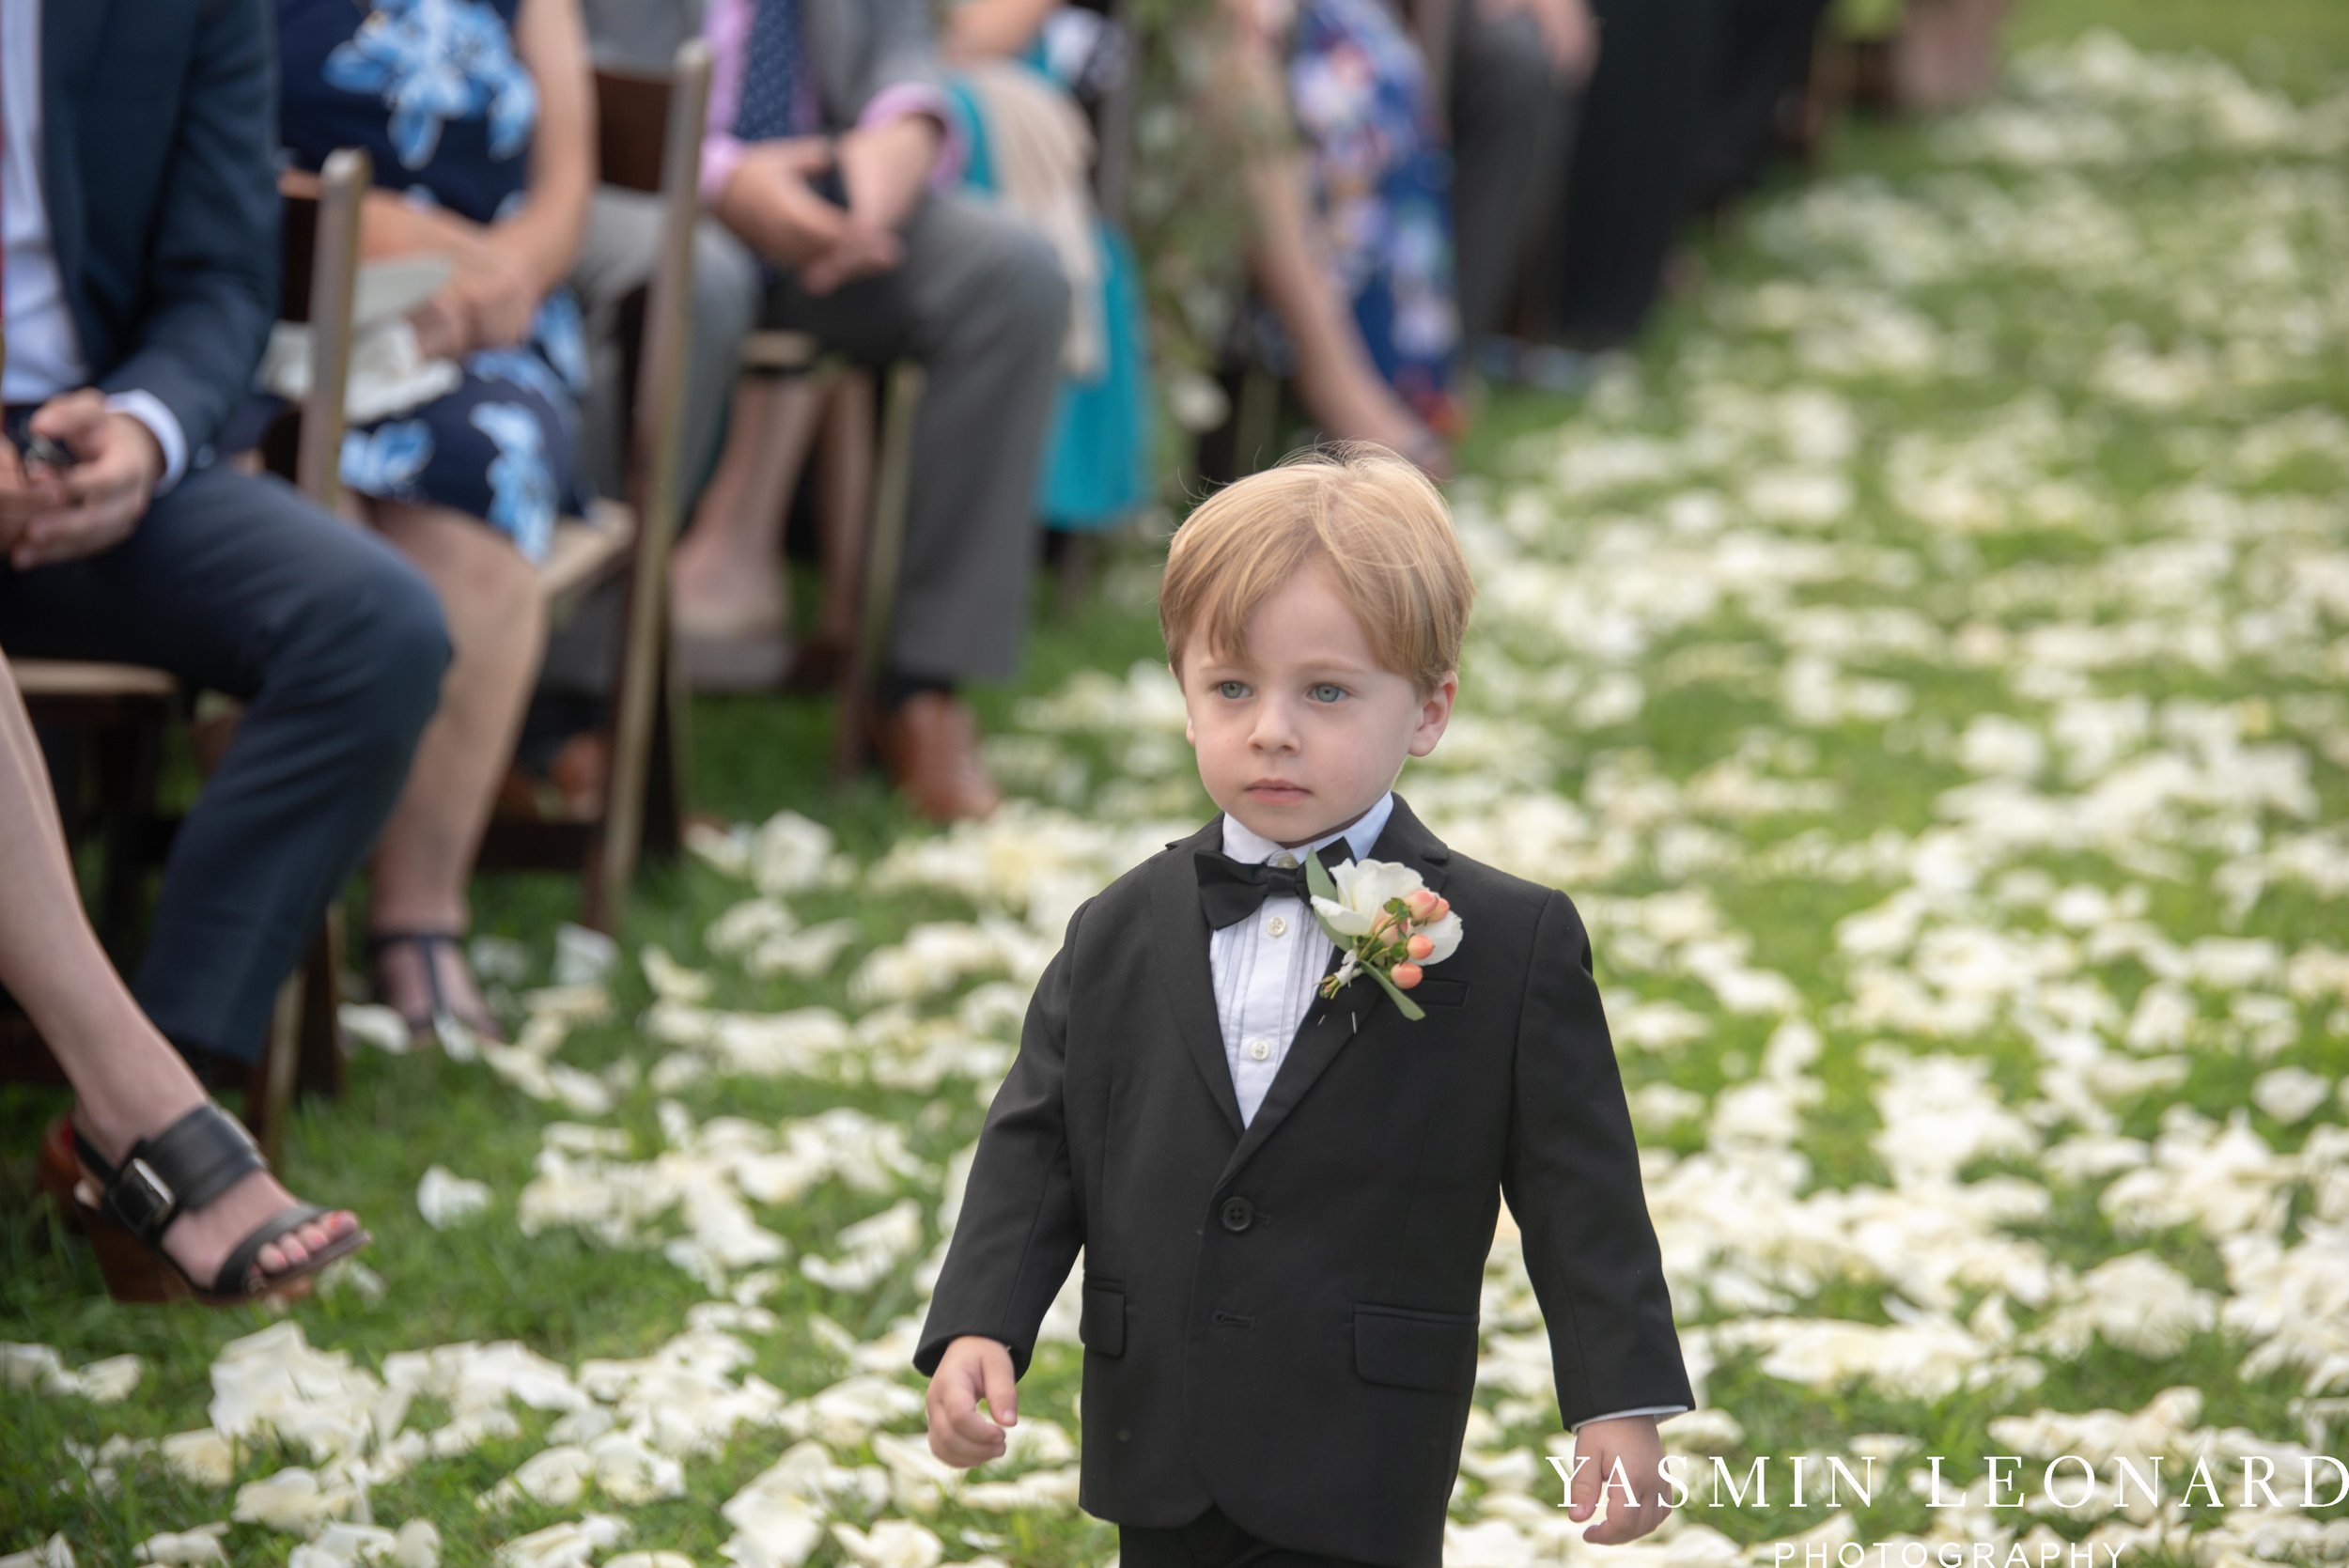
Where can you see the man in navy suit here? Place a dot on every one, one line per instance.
(140, 207)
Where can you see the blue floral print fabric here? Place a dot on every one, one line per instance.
(434, 92)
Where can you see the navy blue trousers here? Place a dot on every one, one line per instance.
(334, 645)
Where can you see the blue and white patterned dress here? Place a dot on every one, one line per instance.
(433, 90)
(1381, 181)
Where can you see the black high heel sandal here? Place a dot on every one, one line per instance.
(179, 1170)
(425, 1029)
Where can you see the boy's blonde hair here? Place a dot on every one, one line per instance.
(1378, 521)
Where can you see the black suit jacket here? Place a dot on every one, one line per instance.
(1283, 1319)
(159, 120)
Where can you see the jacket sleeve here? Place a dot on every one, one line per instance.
(1020, 1226)
(1571, 1175)
(211, 267)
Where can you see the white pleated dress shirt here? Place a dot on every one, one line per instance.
(1267, 967)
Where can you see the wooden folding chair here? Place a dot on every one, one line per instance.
(650, 139)
(121, 715)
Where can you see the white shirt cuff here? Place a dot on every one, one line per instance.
(1642, 1410)
(149, 411)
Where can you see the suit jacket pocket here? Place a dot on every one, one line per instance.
(1101, 1324)
(1407, 1348)
(1436, 991)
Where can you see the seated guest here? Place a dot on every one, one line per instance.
(229, 1230)
(1627, 183)
(1760, 97)
(1029, 143)
(828, 152)
(1515, 70)
(1352, 249)
(141, 226)
(478, 116)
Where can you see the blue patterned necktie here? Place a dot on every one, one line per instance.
(770, 75)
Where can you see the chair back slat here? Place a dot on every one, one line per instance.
(651, 133)
(317, 289)
(632, 125)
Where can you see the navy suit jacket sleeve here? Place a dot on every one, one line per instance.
(1571, 1175)
(1019, 1228)
(210, 280)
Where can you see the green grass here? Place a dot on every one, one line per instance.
(1710, 691)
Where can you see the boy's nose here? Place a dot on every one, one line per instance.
(1273, 731)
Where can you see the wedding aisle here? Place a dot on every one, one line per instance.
(1927, 667)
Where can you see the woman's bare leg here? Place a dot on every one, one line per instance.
(1336, 378)
(727, 574)
(128, 1082)
(497, 624)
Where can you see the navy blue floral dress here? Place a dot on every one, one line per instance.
(433, 90)
(1381, 181)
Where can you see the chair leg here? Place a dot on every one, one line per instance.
(844, 505)
(269, 1090)
(879, 562)
(130, 764)
(319, 1066)
(664, 783)
(1079, 563)
(1257, 420)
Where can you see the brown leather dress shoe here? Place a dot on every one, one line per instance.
(930, 749)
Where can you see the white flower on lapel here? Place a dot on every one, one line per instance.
(1388, 923)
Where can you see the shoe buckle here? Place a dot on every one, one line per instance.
(142, 1200)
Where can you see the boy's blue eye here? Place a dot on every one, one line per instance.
(1327, 692)
(1233, 690)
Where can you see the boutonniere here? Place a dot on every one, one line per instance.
(1388, 923)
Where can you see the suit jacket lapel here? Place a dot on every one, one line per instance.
(1180, 935)
(69, 36)
(1330, 1024)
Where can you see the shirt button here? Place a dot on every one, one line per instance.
(1285, 858)
(1259, 1049)
(1276, 926)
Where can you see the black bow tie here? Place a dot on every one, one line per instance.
(1231, 890)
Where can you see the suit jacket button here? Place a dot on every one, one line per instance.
(1239, 1214)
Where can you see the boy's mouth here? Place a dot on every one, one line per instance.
(1278, 790)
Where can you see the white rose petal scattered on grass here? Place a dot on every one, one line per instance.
(445, 1199)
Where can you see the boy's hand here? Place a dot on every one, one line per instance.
(973, 1367)
(1631, 1442)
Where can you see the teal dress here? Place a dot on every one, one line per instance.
(1096, 458)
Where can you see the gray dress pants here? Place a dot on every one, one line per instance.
(1512, 122)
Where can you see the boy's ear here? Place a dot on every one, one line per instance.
(1434, 712)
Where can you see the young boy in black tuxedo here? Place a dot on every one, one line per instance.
(1285, 1197)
